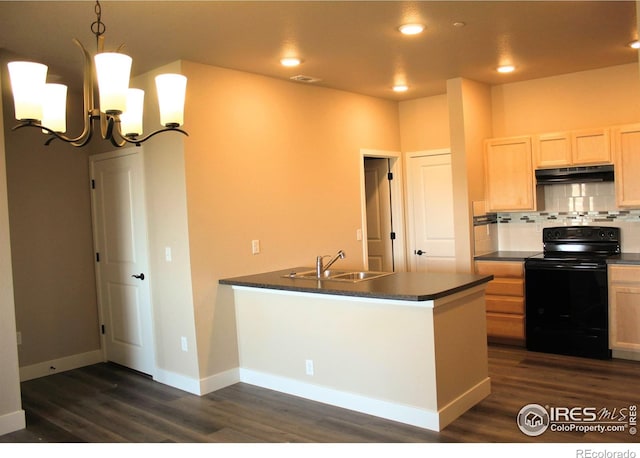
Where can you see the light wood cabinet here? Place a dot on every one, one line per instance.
(552, 150)
(624, 311)
(626, 153)
(509, 179)
(564, 149)
(504, 299)
(590, 147)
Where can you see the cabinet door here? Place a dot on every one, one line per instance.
(590, 147)
(552, 150)
(626, 149)
(624, 332)
(624, 308)
(509, 174)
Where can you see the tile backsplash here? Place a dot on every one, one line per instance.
(584, 204)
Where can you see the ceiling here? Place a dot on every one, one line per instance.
(349, 45)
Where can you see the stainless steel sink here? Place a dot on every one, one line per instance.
(338, 275)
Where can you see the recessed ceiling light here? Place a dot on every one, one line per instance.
(505, 69)
(635, 44)
(411, 29)
(400, 88)
(290, 61)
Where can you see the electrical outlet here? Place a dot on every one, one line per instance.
(167, 254)
(255, 246)
(19, 337)
(309, 366)
(184, 344)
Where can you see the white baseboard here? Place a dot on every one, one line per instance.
(219, 381)
(423, 418)
(182, 382)
(464, 402)
(11, 422)
(55, 366)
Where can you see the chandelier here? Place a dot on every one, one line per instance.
(119, 114)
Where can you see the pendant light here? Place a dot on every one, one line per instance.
(120, 109)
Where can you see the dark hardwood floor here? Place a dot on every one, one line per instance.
(106, 403)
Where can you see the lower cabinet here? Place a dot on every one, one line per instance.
(624, 311)
(505, 301)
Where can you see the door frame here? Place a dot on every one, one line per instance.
(101, 312)
(409, 199)
(397, 206)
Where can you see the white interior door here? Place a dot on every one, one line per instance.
(378, 192)
(430, 212)
(122, 259)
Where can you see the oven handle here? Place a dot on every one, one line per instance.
(560, 266)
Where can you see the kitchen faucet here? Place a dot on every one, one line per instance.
(320, 268)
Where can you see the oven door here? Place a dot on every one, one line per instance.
(567, 308)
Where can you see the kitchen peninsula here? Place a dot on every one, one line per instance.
(407, 346)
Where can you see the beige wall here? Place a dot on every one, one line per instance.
(51, 240)
(587, 99)
(275, 161)
(11, 414)
(170, 282)
(424, 124)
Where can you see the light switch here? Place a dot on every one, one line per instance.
(255, 246)
(167, 253)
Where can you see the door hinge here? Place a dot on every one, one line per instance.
(97, 257)
(102, 328)
(393, 235)
(390, 176)
(93, 184)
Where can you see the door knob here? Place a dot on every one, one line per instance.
(139, 277)
(419, 252)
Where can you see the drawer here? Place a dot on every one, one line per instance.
(500, 268)
(624, 274)
(505, 326)
(505, 304)
(506, 287)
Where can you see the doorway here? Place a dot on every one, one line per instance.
(120, 240)
(382, 211)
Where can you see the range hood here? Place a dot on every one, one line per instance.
(590, 174)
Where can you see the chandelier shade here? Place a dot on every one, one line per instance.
(27, 83)
(131, 119)
(54, 104)
(171, 89)
(113, 70)
(120, 110)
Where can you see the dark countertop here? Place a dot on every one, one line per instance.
(623, 258)
(506, 256)
(404, 286)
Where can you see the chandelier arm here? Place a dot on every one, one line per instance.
(137, 141)
(111, 129)
(53, 134)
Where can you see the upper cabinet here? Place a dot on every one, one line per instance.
(509, 178)
(626, 153)
(552, 150)
(564, 149)
(590, 147)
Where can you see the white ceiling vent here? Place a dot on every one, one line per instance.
(305, 79)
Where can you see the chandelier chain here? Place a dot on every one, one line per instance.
(98, 27)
